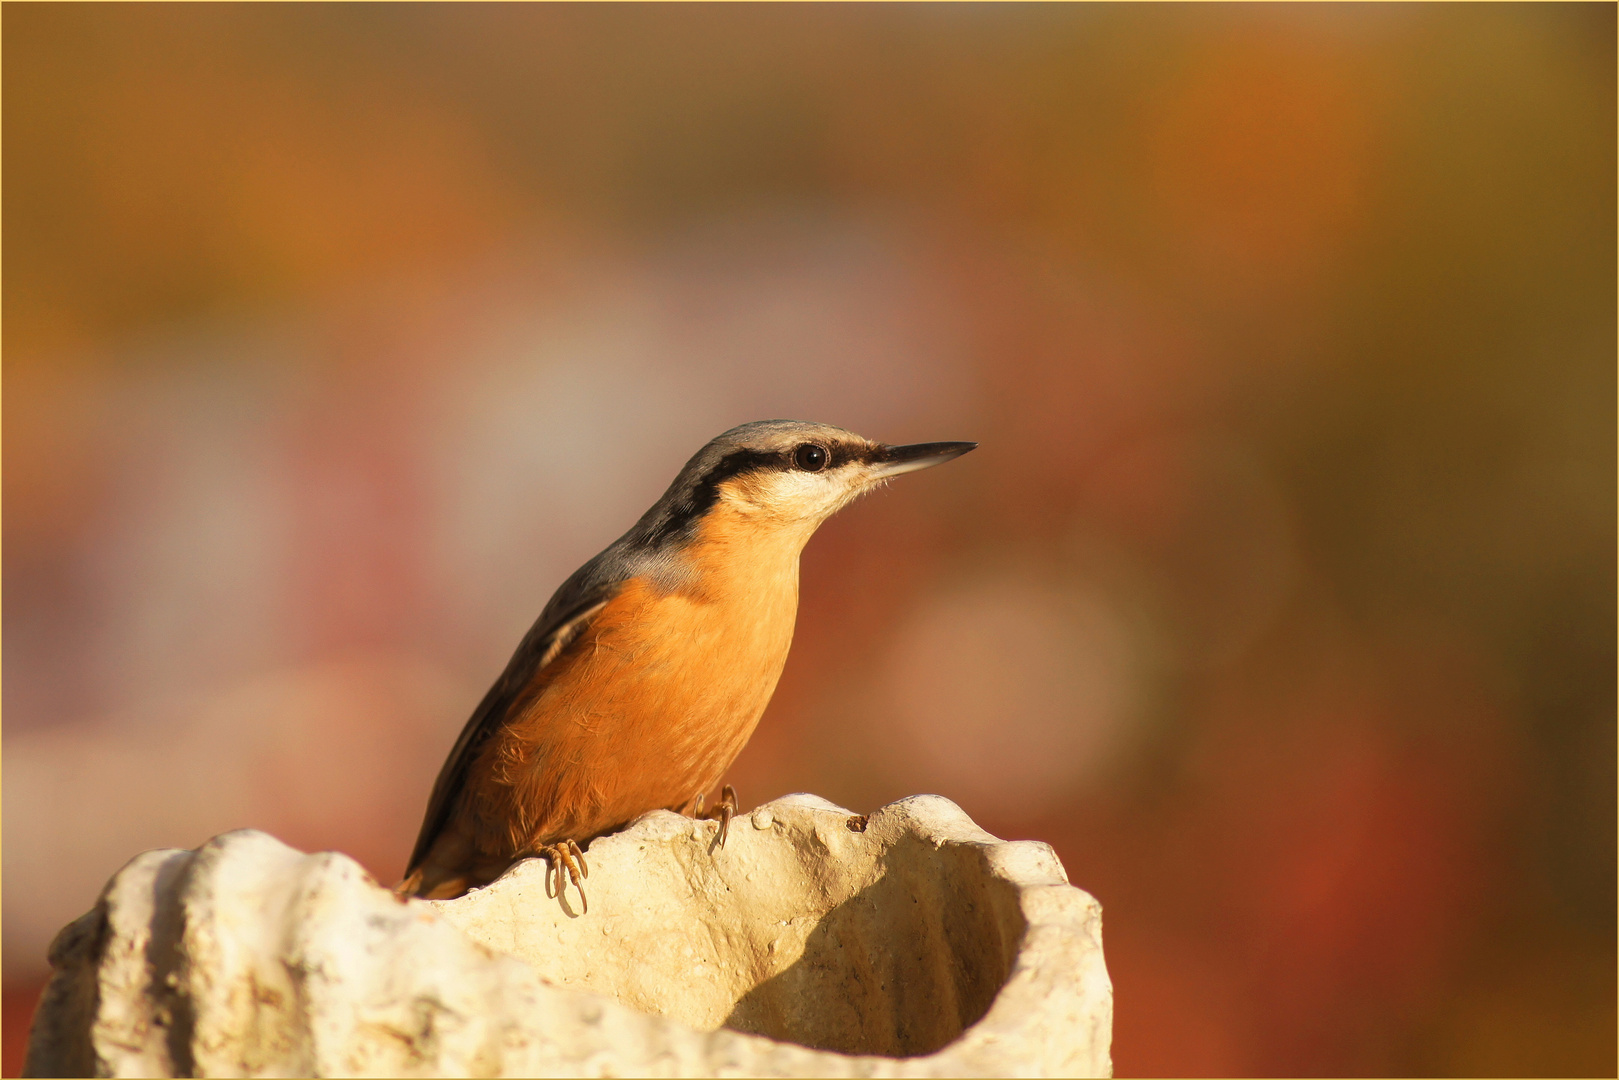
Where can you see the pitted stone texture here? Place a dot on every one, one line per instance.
(921, 946)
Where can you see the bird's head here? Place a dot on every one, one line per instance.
(787, 475)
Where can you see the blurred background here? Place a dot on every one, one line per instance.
(1279, 598)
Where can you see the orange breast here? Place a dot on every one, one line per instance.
(650, 706)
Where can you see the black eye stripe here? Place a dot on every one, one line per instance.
(685, 503)
(843, 454)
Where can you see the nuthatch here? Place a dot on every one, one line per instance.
(646, 673)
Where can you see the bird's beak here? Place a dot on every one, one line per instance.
(890, 461)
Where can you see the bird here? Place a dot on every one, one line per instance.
(648, 670)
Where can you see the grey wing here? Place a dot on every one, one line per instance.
(567, 616)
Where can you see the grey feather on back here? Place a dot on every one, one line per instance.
(565, 619)
(561, 624)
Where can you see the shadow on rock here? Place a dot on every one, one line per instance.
(901, 968)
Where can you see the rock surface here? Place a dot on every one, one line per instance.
(815, 943)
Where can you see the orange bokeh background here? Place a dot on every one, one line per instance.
(1279, 597)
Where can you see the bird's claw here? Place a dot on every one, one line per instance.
(724, 811)
(566, 857)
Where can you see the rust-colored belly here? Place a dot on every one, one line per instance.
(646, 710)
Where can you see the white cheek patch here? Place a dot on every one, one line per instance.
(793, 493)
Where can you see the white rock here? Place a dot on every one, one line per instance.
(920, 946)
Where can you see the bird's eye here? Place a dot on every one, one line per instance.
(810, 458)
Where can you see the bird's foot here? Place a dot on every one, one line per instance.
(724, 811)
(566, 857)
